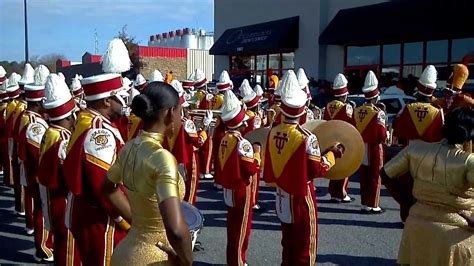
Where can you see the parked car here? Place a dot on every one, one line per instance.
(393, 102)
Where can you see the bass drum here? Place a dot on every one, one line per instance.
(194, 219)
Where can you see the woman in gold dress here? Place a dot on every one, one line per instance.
(159, 234)
(439, 229)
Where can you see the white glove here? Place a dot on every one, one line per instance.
(208, 118)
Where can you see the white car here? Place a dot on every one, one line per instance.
(393, 102)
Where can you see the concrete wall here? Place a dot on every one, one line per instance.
(319, 61)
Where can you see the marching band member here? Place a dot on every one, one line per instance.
(419, 120)
(252, 102)
(274, 116)
(236, 167)
(259, 91)
(156, 76)
(4, 100)
(303, 81)
(13, 122)
(339, 109)
(292, 160)
(78, 92)
(91, 151)
(135, 124)
(454, 97)
(122, 123)
(273, 82)
(370, 122)
(31, 131)
(184, 146)
(200, 85)
(60, 107)
(140, 82)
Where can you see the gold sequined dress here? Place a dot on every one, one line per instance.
(150, 175)
(435, 233)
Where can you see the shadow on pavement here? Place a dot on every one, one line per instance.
(353, 260)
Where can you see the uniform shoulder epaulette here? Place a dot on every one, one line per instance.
(304, 130)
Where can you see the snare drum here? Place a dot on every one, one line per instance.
(194, 220)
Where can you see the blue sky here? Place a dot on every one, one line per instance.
(67, 26)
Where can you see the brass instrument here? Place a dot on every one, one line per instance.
(331, 132)
(202, 112)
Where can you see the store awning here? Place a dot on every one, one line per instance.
(264, 38)
(401, 21)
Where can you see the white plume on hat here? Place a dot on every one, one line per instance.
(127, 83)
(156, 76)
(2, 72)
(28, 75)
(61, 75)
(302, 78)
(140, 80)
(340, 82)
(291, 93)
(258, 90)
(41, 74)
(56, 94)
(12, 83)
(224, 79)
(428, 77)
(179, 88)
(371, 82)
(199, 77)
(231, 107)
(75, 84)
(116, 58)
(246, 91)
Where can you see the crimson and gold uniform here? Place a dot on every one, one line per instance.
(236, 168)
(135, 125)
(292, 160)
(370, 122)
(51, 176)
(91, 151)
(122, 124)
(12, 125)
(419, 121)
(219, 133)
(184, 146)
(4, 159)
(454, 97)
(32, 128)
(254, 122)
(338, 110)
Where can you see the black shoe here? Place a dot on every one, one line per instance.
(347, 199)
(198, 246)
(377, 211)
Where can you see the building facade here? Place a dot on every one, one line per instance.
(395, 39)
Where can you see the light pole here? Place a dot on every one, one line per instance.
(26, 33)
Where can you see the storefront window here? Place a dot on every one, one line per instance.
(287, 61)
(460, 48)
(243, 62)
(437, 51)
(367, 55)
(261, 62)
(412, 71)
(391, 54)
(274, 62)
(413, 53)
